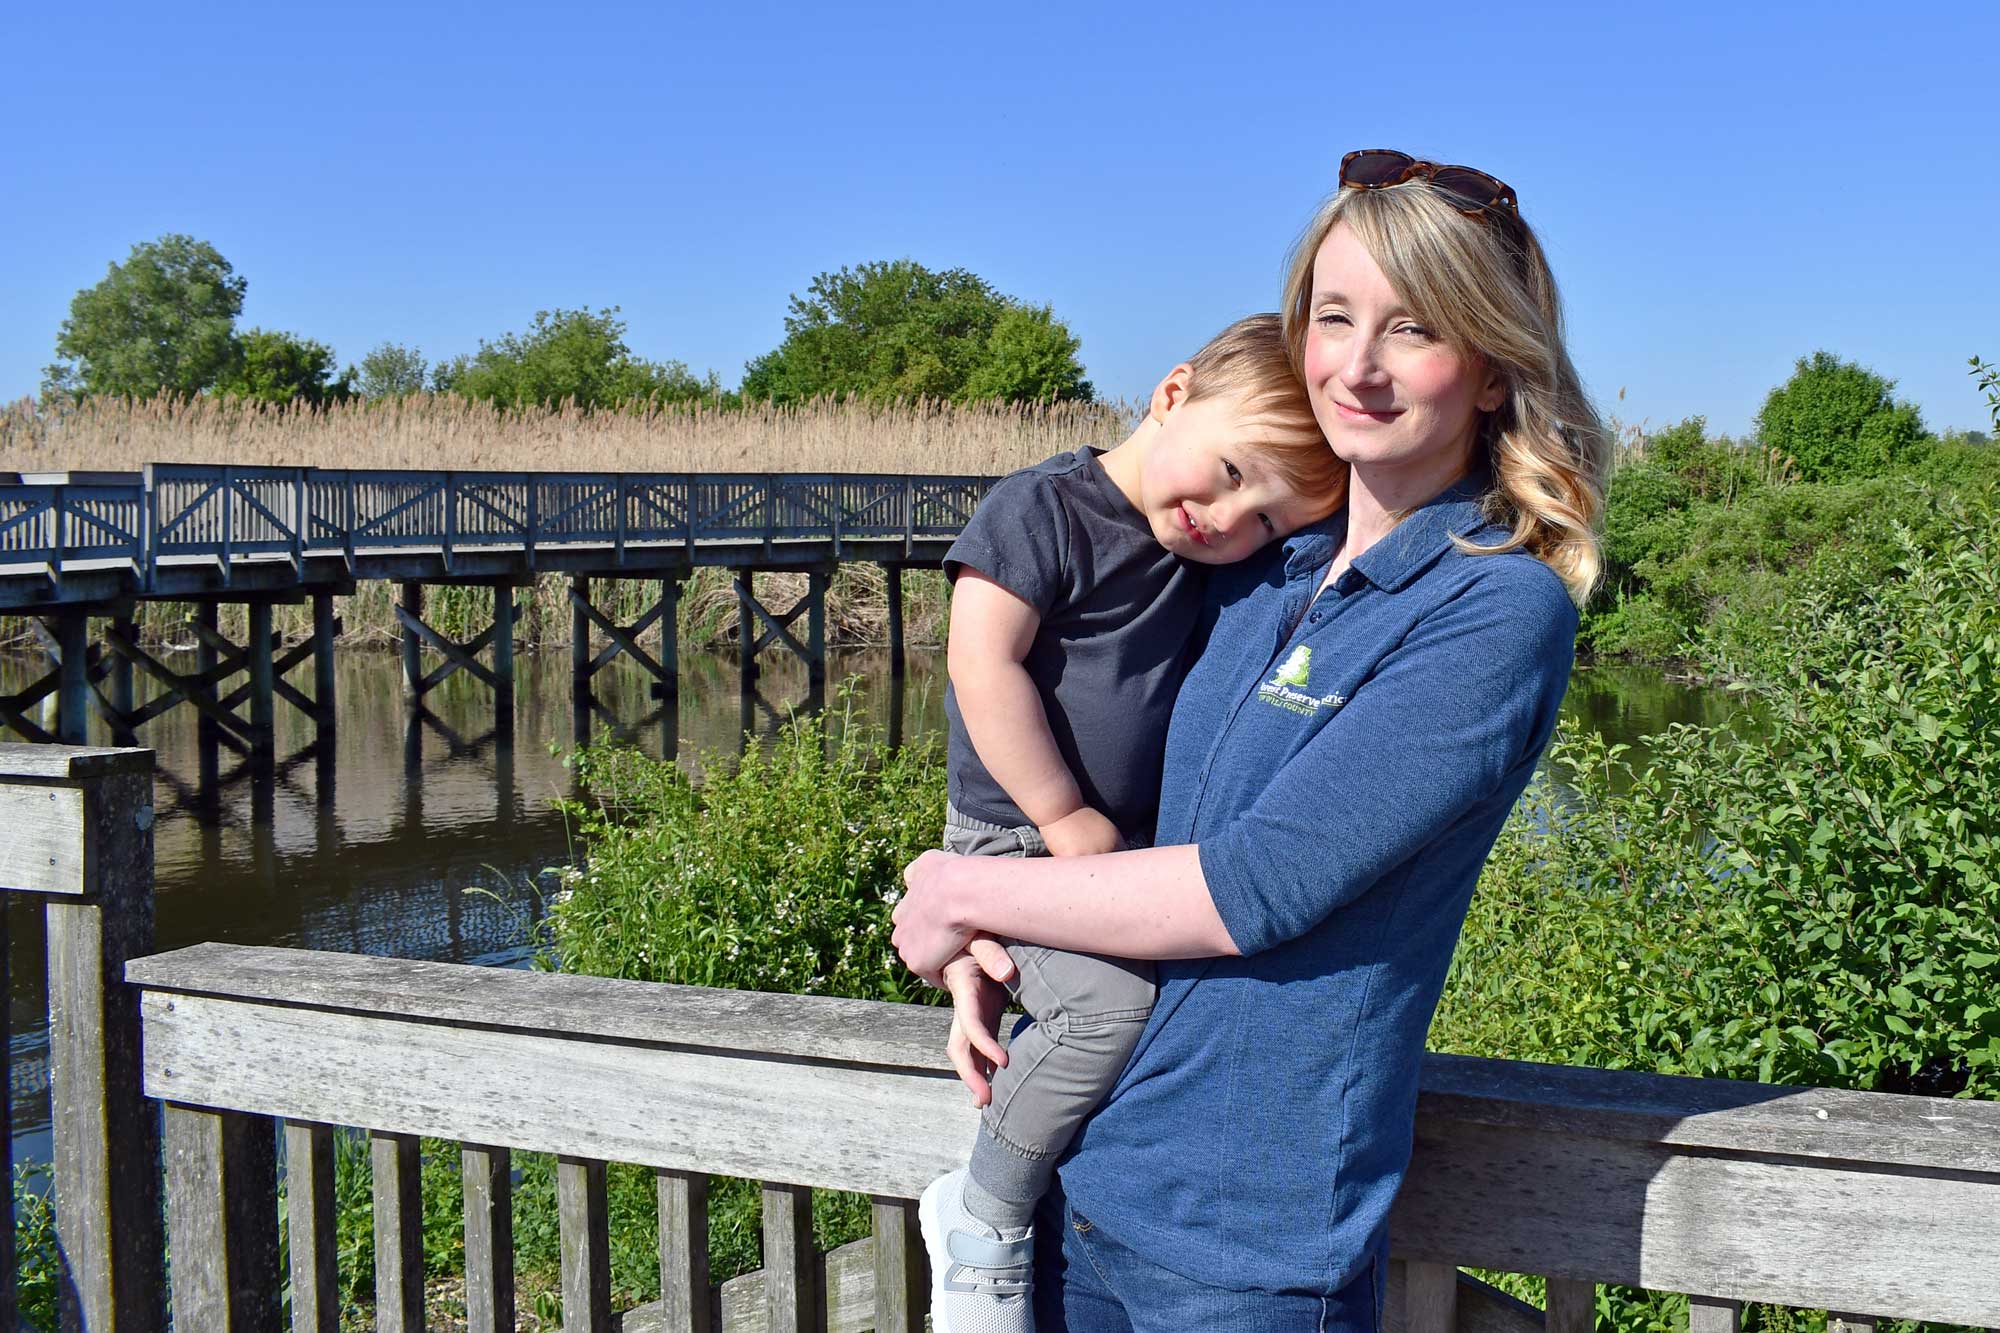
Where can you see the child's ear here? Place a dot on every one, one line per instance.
(1170, 392)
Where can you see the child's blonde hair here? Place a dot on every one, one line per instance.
(1252, 360)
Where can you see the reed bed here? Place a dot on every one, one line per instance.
(443, 431)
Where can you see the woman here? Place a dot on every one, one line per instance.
(1372, 698)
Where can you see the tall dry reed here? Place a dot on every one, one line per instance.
(425, 431)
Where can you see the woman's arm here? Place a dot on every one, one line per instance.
(1152, 903)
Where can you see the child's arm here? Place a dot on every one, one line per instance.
(991, 632)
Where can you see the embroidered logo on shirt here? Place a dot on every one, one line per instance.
(1287, 687)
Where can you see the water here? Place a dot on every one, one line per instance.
(427, 837)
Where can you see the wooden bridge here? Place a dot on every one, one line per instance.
(79, 547)
(1868, 1205)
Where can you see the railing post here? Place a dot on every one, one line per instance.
(1430, 1298)
(310, 1212)
(228, 493)
(902, 1270)
(299, 522)
(222, 1191)
(684, 1299)
(82, 821)
(792, 1271)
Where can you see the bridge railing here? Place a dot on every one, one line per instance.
(228, 513)
(1868, 1204)
(48, 523)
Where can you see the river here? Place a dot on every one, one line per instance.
(427, 838)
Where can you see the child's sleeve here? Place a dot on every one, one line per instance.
(1020, 538)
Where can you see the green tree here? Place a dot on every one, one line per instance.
(162, 321)
(276, 367)
(568, 354)
(895, 329)
(393, 371)
(1838, 420)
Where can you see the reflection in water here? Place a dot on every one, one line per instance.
(423, 834)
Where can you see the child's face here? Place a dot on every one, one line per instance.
(1207, 485)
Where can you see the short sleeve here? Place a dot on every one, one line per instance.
(1020, 538)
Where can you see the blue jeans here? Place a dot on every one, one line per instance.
(1087, 1282)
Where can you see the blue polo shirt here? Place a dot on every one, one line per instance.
(1345, 764)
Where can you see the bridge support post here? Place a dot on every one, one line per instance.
(894, 575)
(263, 703)
(73, 691)
(503, 656)
(669, 686)
(324, 630)
(746, 636)
(579, 635)
(121, 680)
(412, 648)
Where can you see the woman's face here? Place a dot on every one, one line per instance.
(1391, 396)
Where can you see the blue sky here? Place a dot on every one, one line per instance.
(1722, 188)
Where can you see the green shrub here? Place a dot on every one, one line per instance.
(1837, 420)
(773, 875)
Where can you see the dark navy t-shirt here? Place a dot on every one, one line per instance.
(1117, 610)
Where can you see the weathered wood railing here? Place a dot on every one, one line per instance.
(76, 834)
(1731, 1192)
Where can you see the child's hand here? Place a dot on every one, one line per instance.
(1082, 832)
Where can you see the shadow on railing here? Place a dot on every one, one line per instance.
(1869, 1205)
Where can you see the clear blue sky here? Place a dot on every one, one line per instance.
(1723, 188)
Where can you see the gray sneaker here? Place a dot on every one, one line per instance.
(982, 1279)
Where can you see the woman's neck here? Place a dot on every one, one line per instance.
(1379, 496)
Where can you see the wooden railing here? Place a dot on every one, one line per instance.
(1868, 1204)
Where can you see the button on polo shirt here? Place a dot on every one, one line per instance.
(1345, 762)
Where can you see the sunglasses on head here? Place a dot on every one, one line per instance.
(1385, 168)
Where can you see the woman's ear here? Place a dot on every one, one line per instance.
(1170, 392)
(1493, 392)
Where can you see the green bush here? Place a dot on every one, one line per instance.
(1818, 905)
(773, 875)
(1837, 420)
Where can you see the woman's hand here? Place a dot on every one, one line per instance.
(977, 1000)
(925, 935)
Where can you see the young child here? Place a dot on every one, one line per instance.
(1076, 586)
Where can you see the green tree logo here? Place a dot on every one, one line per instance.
(1292, 671)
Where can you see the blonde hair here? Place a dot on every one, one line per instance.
(1483, 285)
(1252, 360)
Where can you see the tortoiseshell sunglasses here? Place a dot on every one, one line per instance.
(1382, 168)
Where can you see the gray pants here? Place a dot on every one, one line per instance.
(1086, 1013)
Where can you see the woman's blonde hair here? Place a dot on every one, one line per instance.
(1483, 285)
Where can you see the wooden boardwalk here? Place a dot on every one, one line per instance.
(82, 546)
